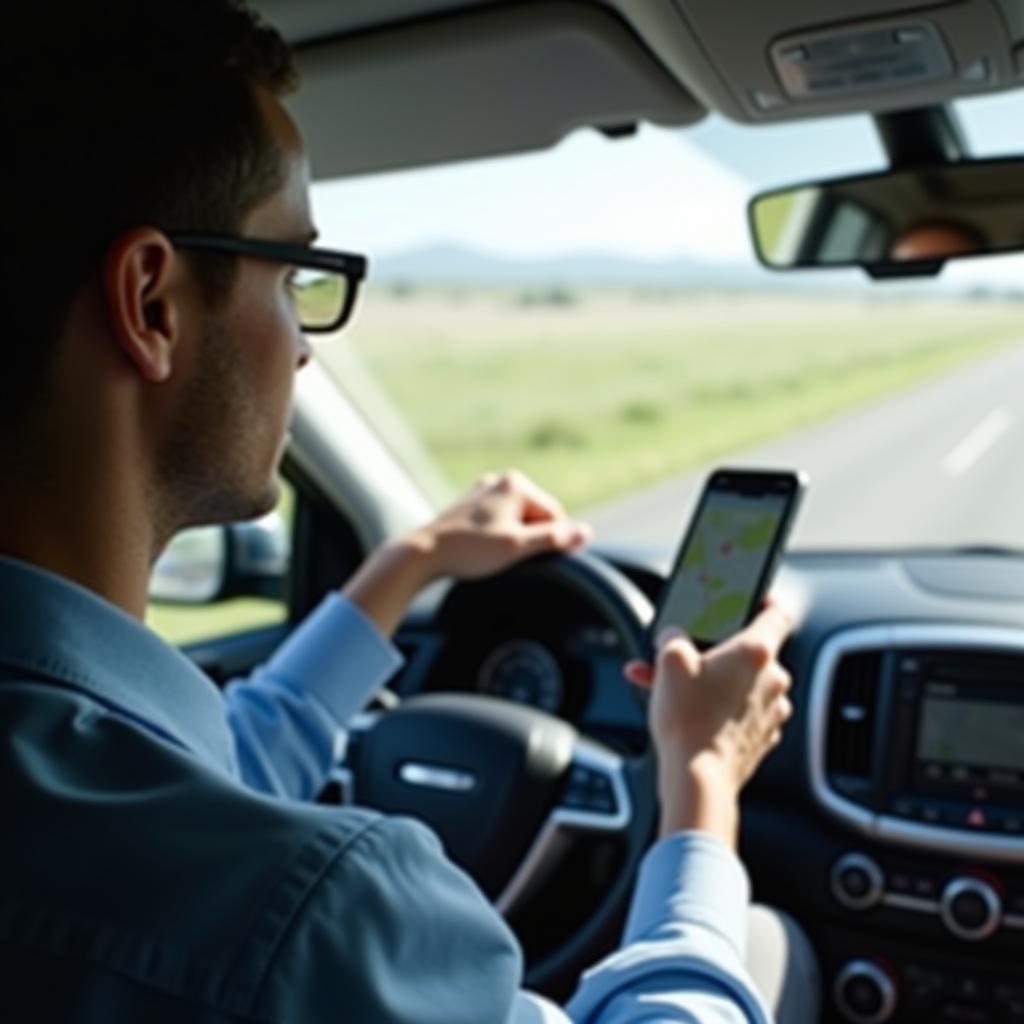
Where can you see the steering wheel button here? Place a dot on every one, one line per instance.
(579, 799)
(576, 798)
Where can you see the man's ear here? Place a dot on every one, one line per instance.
(142, 286)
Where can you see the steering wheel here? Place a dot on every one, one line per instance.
(509, 788)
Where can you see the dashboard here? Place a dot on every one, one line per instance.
(890, 821)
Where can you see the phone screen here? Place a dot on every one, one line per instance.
(729, 554)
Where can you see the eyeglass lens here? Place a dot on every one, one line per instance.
(319, 297)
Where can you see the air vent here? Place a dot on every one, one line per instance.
(851, 723)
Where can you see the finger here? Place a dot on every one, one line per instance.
(770, 692)
(791, 596)
(777, 685)
(544, 537)
(772, 602)
(784, 709)
(481, 486)
(765, 636)
(681, 652)
(538, 505)
(640, 673)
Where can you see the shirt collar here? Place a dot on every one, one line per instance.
(53, 628)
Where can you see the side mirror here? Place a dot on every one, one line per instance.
(899, 223)
(213, 563)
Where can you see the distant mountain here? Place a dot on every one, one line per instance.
(453, 264)
(461, 266)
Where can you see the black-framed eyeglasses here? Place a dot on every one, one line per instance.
(323, 282)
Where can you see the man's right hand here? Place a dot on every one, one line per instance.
(713, 718)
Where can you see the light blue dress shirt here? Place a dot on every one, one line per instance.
(162, 862)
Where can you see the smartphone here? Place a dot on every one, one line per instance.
(729, 554)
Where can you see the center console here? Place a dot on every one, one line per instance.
(917, 744)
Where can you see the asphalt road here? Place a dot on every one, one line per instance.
(939, 464)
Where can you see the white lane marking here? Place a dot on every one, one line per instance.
(977, 442)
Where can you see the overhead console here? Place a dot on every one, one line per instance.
(804, 58)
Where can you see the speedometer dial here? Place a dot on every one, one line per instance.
(524, 671)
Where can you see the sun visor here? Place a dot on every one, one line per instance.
(476, 84)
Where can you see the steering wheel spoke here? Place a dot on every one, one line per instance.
(595, 799)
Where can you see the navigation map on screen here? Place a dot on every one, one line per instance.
(711, 594)
(971, 733)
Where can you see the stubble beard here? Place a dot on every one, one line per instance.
(210, 468)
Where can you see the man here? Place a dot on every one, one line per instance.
(160, 866)
(937, 239)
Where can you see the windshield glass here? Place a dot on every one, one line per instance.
(595, 316)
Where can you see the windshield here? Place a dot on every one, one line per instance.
(595, 316)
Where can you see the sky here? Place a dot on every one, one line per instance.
(651, 196)
(664, 193)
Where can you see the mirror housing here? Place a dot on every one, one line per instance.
(214, 563)
(905, 222)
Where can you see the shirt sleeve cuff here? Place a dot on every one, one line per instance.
(691, 878)
(338, 656)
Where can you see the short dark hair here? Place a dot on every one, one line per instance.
(118, 114)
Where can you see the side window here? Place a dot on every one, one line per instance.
(214, 582)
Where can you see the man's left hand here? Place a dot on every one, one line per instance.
(505, 518)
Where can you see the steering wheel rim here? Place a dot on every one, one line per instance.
(625, 609)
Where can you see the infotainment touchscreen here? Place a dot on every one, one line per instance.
(968, 739)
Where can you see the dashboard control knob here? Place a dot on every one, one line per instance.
(864, 993)
(970, 909)
(857, 881)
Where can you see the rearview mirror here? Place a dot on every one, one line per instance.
(899, 223)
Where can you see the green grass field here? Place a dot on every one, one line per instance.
(609, 393)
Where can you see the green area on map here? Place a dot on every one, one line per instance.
(722, 566)
(721, 615)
